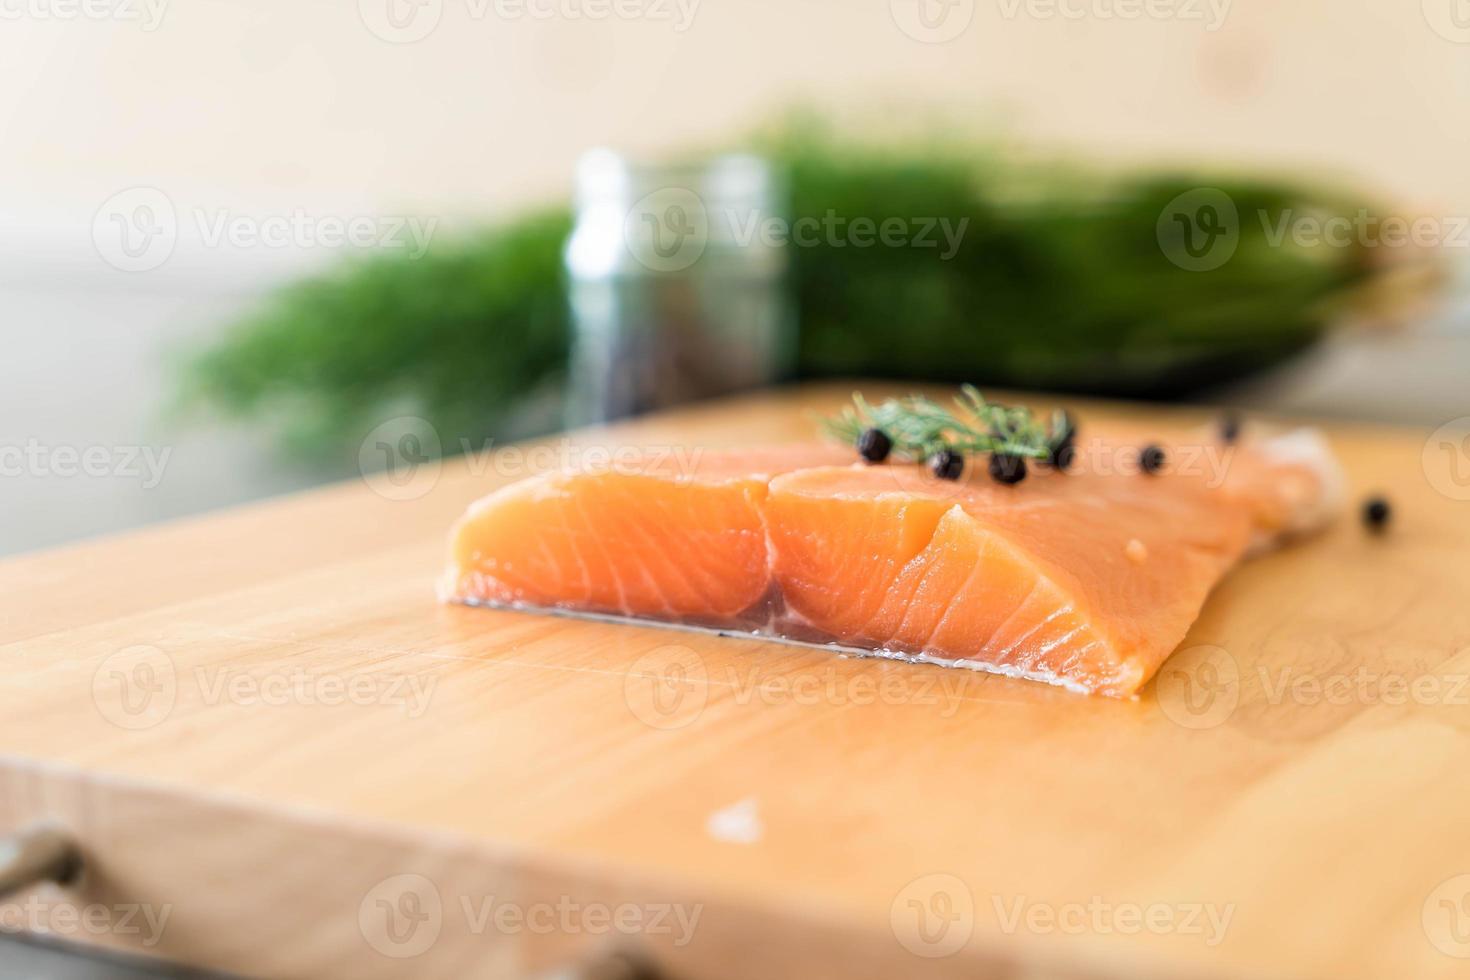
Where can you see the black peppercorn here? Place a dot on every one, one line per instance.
(1230, 427)
(1062, 453)
(1151, 459)
(1007, 469)
(1061, 449)
(874, 445)
(1376, 512)
(947, 464)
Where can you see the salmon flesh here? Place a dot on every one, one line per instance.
(1088, 578)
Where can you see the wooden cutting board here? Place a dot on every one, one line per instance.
(286, 759)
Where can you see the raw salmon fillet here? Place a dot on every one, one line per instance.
(1088, 578)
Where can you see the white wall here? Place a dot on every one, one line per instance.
(274, 107)
(298, 101)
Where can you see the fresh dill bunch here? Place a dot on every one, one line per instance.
(919, 427)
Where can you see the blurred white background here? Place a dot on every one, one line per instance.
(462, 109)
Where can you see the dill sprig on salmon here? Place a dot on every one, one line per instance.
(919, 428)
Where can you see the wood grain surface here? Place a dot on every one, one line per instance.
(282, 757)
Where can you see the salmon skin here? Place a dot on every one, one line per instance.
(1088, 578)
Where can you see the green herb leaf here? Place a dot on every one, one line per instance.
(919, 426)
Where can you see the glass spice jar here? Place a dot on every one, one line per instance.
(676, 284)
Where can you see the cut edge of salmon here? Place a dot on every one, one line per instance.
(831, 646)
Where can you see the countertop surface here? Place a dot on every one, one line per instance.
(1286, 800)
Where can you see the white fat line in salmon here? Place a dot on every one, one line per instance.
(1097, 916)
(767, 635)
